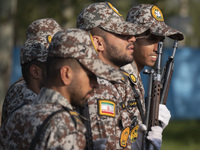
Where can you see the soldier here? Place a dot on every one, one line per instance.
(145, 49)
(32, 57)
(113, 38)
(50, 121)
(113, 110)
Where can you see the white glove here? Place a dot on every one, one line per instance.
(137, 145)
(99, 144)
(164, 115)
(155, 136)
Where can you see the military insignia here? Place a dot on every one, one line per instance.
(113, 8)
(76, 117)
(134, 133)
(73, 113)
(133, 78)
(106, 108)
(49, 38)
(123, 106)
(157, 14)
(93, 42)
(132, 103)
(124, 137)
(78, 120)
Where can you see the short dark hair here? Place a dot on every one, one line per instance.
(98, 32)
(54, 64)
(26, 69)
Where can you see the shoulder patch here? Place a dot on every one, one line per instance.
(106, 108)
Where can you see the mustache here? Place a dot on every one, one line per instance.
(130, 44)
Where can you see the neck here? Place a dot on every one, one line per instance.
(33, 87)
(139, 67)
(60, 89)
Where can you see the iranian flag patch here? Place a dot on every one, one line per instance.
(106, 108)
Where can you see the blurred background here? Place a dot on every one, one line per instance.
(184, 95)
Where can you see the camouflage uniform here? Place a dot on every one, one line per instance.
(61, 133)
(14, 96)
(65, 130)
(39, 34)
(111, 115)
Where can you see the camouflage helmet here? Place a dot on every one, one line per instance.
(151, 16)
(34, 49)
(78, 44)
(42, 27)
(105, 16)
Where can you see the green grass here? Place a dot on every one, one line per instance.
(182, 135)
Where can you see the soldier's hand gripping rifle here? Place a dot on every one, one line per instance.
(158, 91)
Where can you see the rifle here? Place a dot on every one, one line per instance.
(168, 70)
(158, 91)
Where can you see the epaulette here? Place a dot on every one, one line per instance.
(127, 76)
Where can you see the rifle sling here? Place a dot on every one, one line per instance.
(139, 104)
(137, 96)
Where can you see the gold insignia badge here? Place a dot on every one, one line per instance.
(134, 133)
(113, 8)
(132, 77)
(93, 42)
(49, 38)
(157, 14)
(124, 137)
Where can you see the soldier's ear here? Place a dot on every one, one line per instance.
(99, 43)
(66, 75)
(35, 71)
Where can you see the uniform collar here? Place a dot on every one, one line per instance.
(50, 96)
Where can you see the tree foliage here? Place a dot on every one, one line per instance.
(65, 12)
